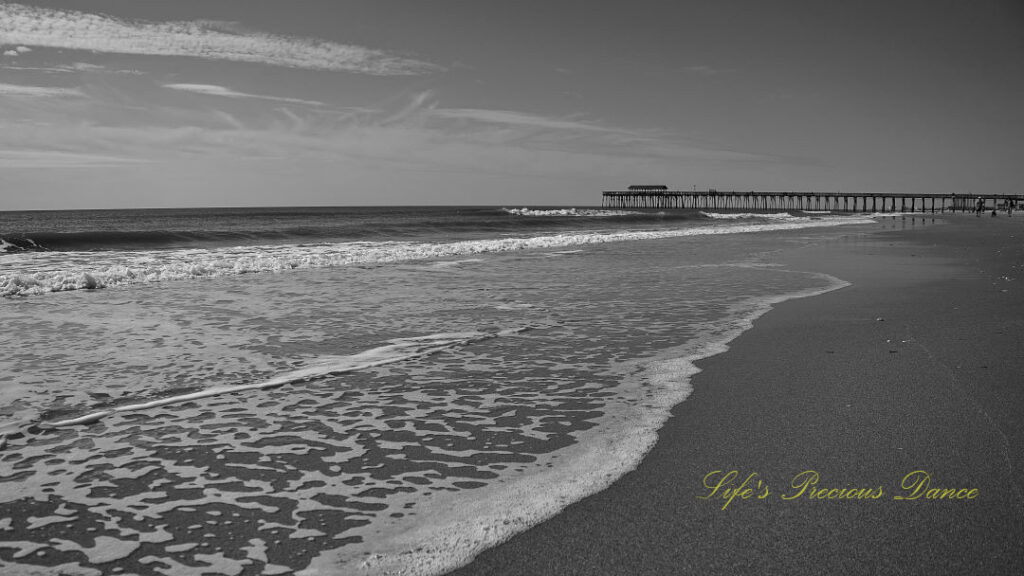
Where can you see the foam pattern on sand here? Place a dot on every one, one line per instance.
(396, 350)
(379, 420)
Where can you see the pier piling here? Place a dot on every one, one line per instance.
(660, 197)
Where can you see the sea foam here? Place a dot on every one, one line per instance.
(451, 534)
(43, 272)
(753, 215)
(396, 350)
(567, 212)
(413, 467)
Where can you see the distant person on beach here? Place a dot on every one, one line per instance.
(979, 207)
(1010, 205)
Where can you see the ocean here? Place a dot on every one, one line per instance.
(349, 390)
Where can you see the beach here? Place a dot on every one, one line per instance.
(915, 366)
(511, 391)
(290, 390)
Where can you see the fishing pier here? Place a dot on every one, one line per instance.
(661, 197)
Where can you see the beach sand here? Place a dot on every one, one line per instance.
(915, 366)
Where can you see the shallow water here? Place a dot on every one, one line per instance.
(373, 417)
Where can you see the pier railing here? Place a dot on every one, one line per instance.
(830, 201)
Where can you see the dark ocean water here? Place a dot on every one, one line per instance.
(56, 251)
(205, 228)
(339, 391)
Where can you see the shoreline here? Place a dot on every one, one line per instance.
(912, 367)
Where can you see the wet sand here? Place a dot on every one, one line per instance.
(917, 366)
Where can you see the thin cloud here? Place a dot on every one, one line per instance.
(415, 135)
(37, 91)
(553, 133)
(77, 67)
(214, 90)
(58, 159)
(420, 104)
(424, 106)
(31, 26)
(510, 118)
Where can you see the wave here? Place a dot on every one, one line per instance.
(18, 245)
(141, 239)
(49, 272)
(891, 214)
(149, 230)
(752, 215)
(591, 212)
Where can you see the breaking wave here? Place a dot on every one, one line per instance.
(569, 212)
(43, 272)
(751, 215)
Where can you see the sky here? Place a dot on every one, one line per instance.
(129, 104)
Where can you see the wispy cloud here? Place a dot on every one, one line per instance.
(424, 107)
(59, 159)
(559, 133)
(414, 136)
(214, 90)
(31, 26)
(521, 119)
(37, 91)
(421, 103)
(76, 67)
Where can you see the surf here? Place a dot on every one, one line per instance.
(45, 272)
